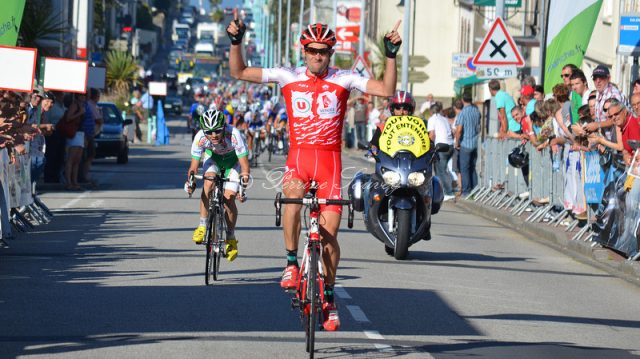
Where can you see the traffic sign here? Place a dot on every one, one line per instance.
(417, 76)
(459, 72)
(496, 72)
(498, 48)
(418, 61)
(347, 33)
(460, 58)
(360, 67)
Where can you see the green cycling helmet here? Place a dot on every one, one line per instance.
(212, 120)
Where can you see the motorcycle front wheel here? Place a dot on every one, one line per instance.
(403, 232)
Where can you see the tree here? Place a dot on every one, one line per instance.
(122, 71)
(39, 26)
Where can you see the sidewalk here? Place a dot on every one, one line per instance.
(554, 237)
(557, 238)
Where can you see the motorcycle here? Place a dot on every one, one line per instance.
(398, 199)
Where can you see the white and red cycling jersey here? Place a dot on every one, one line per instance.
(316, 106)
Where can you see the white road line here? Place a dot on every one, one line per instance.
(341, 292)
(358, 314)
(75, 200)
(375, 335)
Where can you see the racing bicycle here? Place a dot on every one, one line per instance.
(216, 230)
(308, 295)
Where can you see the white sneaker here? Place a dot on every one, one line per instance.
(524, 195)
(448, 197)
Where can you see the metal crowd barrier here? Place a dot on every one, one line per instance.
(20, 209)
(503, 187)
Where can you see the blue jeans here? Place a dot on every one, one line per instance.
(442, 171)
(468, 173)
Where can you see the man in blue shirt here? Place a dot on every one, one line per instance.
(504, 104)
(467, 128)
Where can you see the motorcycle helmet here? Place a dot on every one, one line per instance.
(518, 157)
(402, 99)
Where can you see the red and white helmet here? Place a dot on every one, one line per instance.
(319, 33)
(403, 98)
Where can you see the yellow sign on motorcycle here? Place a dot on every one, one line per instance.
(404, 133)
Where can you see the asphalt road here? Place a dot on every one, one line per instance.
(116, 275)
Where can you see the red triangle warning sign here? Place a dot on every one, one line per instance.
(498, 48)
(361, 68)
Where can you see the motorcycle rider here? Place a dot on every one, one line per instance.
(401, 104)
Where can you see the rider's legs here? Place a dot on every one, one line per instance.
(198, 234)
(291, 226)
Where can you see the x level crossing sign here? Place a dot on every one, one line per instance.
(498, 48)
(360, 67)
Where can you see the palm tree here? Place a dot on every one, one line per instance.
(40, 28)
(122, 71)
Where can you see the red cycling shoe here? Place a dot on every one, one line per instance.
(290, 277)
(331, 319)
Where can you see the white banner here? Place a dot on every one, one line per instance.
(65, 75)
(18, 68)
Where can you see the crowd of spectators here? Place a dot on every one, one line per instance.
(56, 129)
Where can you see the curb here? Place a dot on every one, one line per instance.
(601, 258)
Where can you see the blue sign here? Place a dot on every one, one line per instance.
(629, 43)
(593, 178)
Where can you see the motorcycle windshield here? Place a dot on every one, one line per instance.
(404, 133)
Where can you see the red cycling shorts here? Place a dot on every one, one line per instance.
(325, 167)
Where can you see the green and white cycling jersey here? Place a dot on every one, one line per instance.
(226, 153)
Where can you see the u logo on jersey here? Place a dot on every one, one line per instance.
(301, 103)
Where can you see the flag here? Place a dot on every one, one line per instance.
(569, 28)
(10, 19)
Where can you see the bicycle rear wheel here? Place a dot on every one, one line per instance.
(313, 300)
(211, 255)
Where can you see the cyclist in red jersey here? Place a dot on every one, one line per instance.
(316, 98)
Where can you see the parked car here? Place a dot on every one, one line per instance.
(112, 140)
(173, 104)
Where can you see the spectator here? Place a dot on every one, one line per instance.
(504, 104)
(75, 145)
(34, 103)
(538, 93)
(605, 90)
(426, 105)
(627, 128)
(37, 145)
(567, 71)
(636, 87)
(384, 110)
(527, 100)
(373, 115)
(563, 115)
(439, 131)
(467, 129)
(55, 142)
(452, 166)
(579, 93)
(92, 122)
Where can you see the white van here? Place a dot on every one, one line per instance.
(204, 48)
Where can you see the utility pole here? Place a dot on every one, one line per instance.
(279, 60)
(312, 11)
(500, 9)
(405, 48)
(287, 57)
(301, 27)
(335, 27)
(362, 29)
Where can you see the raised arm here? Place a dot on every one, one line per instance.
(387, 86)
(237, 67)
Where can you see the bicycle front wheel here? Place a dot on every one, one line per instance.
(211, 255)
(218, 244)
(314, 302)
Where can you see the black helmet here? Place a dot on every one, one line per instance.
(518, 157)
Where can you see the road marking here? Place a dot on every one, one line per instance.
(341, 292)
(96, 204)
(161, 186)
(358, 314)
(75, 200)
(375, 335)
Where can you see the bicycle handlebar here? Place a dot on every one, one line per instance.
(310, 201)
(193, 177)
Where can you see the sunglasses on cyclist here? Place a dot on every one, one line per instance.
(313, 51)
(401, 107)
(216, 132)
